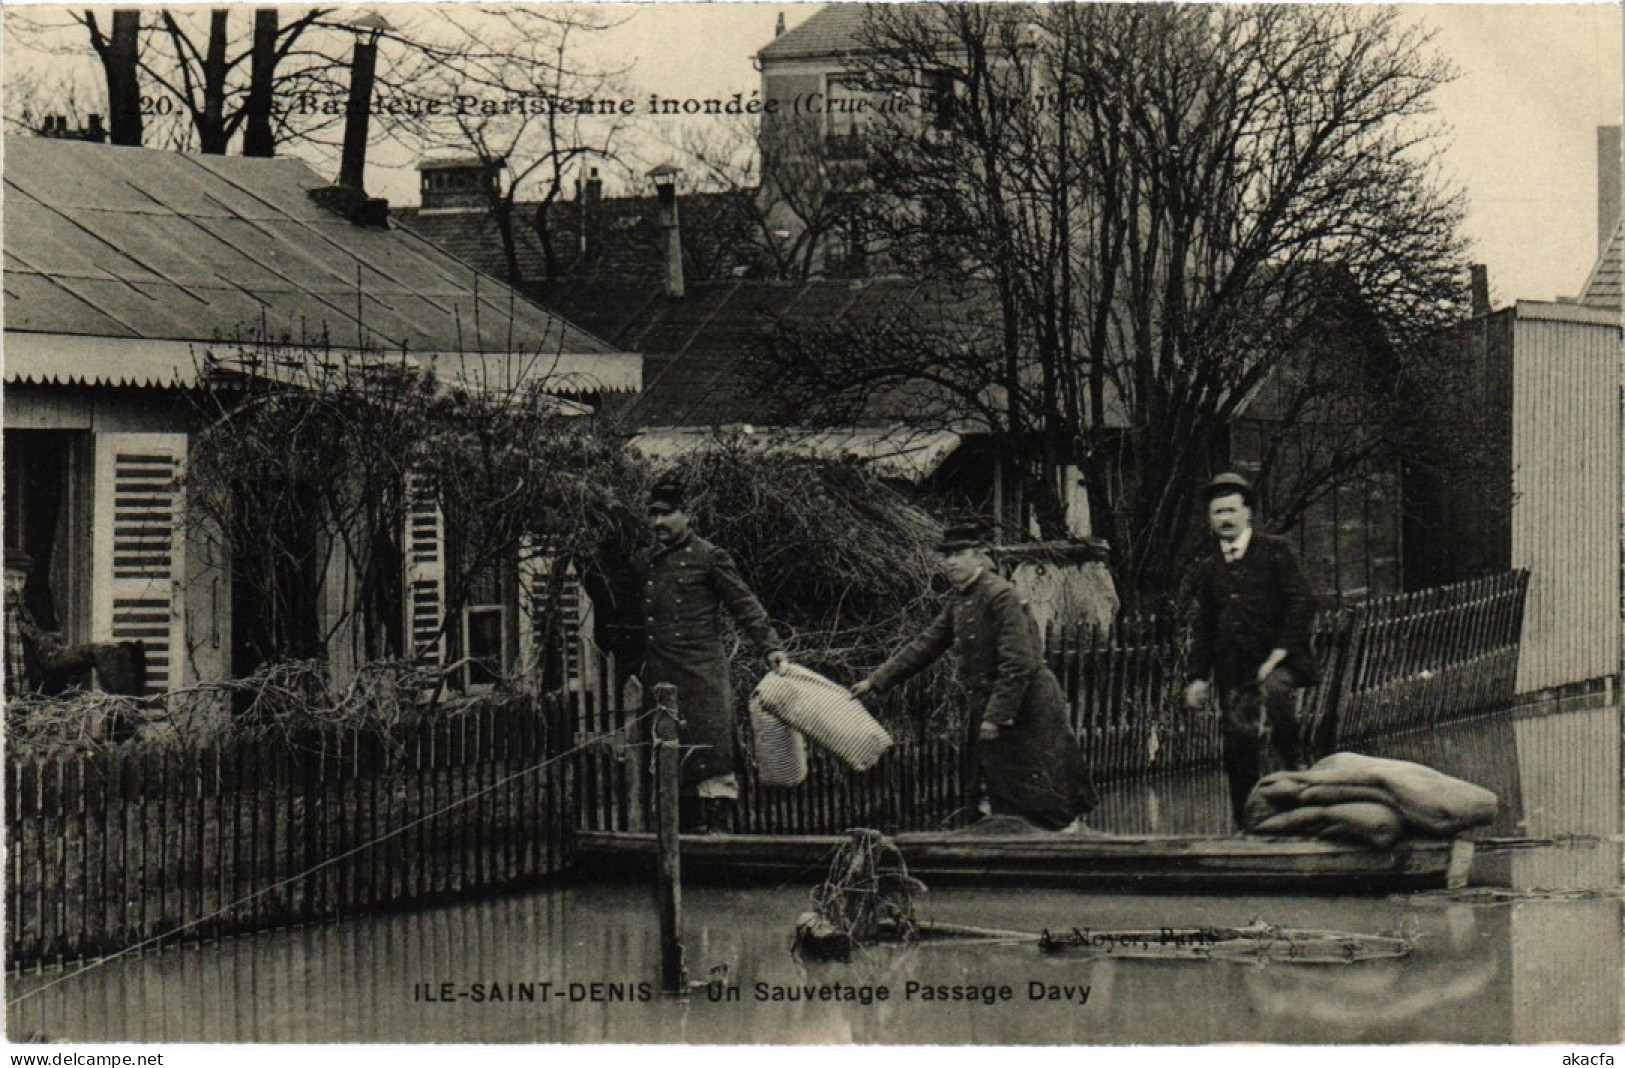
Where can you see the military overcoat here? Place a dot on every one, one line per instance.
(685, 589)
(1035, 768)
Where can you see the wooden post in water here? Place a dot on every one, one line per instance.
(669, 882)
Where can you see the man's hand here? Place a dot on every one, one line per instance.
(1275, 658)
(862, 689)
(779, 662)
(1196, 694)
(987, 732)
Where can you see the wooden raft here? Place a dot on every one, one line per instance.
(1147, 863)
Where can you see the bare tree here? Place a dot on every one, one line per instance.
(310, 463)
(509, 86)
(798, 193)
(195, 78)
(1159, 202)
(120, 56)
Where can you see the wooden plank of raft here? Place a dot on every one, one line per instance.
(1047, 860)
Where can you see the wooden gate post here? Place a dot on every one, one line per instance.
(669, 881)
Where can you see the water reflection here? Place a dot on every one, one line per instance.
(1532, 971)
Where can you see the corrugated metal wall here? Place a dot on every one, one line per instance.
(1566, 491)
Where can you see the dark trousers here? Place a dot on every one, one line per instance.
(1247, 710)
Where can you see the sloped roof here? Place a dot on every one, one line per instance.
(832, 31)
(1604, 288)
(119, 242)
(624, 240)
(890, 451)
(697, 351)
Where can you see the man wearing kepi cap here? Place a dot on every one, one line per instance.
(1029, 759)
(1251, 637)
(687, 583)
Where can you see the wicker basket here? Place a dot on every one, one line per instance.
(781, 751)
(826, 713)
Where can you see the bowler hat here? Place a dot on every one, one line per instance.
(960, 536)
(666, 495)
(1226, 484)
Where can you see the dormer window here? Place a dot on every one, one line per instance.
(941, 98)
(848, 108)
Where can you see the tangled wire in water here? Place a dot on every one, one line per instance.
(867, 897)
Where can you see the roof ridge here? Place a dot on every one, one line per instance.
(1613, 251)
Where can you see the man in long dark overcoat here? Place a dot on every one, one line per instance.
(1029, 759)
(686, 584)
(1251, 637)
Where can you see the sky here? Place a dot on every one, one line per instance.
(1535, 82)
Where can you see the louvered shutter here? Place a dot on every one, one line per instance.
(575, 621)
(138, 549)
(425, 572)
(534, 571)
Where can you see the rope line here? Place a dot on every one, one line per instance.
(585, 743)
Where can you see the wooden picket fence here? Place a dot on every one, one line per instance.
(112, 850)
(1418, 659)
(1395, 663)
(133, 847)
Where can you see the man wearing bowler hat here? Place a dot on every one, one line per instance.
(1029, 759)
(1251, 637)
(686, 585)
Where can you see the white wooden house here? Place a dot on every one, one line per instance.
(124, 268)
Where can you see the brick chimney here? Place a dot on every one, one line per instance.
(1608, 183)
(665, 180)
(348, 196)
(466, 183)
(1480, 283)
(591, 203)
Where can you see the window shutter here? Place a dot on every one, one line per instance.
(425, 572)
(534, 571)
(575, 610)
(138, 550)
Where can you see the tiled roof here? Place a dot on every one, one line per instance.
(137, 243)
(890, 451)
(1603, 289)
(697, 350)
(716, 227)
(833, 31)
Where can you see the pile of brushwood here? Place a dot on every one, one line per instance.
(843, 563)
(286, 702)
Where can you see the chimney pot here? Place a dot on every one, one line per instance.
(592, 195)
(353, 161)
(1480, 276)
(778, 30)
(665, 180)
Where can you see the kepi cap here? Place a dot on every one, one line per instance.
(961, 536)
(666, 495)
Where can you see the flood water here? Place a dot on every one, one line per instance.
(1539, 960)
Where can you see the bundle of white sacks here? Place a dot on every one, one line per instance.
(788, 708)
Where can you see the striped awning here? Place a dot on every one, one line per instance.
(73, 360)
